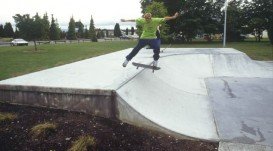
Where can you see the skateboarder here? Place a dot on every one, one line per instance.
(148, 36)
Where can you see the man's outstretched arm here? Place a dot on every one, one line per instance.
(128, 20)
(171, 17)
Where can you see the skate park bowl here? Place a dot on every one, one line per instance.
(213, 94)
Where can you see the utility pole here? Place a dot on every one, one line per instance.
(225, 23)
(225, 28)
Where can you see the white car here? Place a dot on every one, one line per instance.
(19, 42)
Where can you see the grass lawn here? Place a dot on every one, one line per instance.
(15, 61)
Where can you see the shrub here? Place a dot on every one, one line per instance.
(84, 143)
(7, 116)
(43, 130)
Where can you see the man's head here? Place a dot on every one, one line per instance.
(147, 16)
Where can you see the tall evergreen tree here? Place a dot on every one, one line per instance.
(54, 31)
(132, 31)
(1, 30)
(99, 34)
(92, 31)
(8, 30)
(71, 33)
(86, 33)
(117, 31)
(58, 28)
(80, 32)
(107, 33)
(46, 26)
(127, 31)
(63, 34)
(38, 26)
(102, 33)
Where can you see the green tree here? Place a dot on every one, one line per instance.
(270, 31)
(117, 31)
(172, 7)
(157, 9)
(80, 27)
(257, 25)
(54, 30)
(38, 26)
(1, 30)
(198, 17)
(99, 34)
(107, 33)
(86, 33)
(46, 26)
(235, 21)
(71, 33)
(8, 30)
(132, 30)
(92, 31)
(102, 33)
(258, 14)
(16, 33)
(127, 31)
(63, 35)
(211, 19)
(29, 28)
(23, 23)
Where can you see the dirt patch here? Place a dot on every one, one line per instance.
(109, 135)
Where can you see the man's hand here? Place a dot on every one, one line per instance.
(127, 20)
(175, 15)
(172, 17)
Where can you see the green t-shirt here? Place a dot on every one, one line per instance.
(149, 28)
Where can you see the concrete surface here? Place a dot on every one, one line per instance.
(225, 146)
(243, 109)
(189, 96)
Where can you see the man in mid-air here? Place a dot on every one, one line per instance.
(148, 36)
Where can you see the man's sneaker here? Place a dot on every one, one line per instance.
(125, 63)
(155, 63)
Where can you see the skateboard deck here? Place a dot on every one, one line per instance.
(145, 66)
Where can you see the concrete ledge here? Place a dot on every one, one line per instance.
(96, 102)
(56, 90)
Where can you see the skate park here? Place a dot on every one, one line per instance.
(213, 94)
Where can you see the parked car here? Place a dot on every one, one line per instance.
(124, 37)
(19, 42)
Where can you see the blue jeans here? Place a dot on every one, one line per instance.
(154, 44)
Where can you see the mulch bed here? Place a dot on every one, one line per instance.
(110, 135)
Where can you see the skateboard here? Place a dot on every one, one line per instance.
(145, 66)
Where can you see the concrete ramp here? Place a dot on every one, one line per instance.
(178, 93)
(198, 93)
(167, 100)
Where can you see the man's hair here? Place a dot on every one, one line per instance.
(147, 14)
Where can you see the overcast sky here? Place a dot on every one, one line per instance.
(104, 12)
